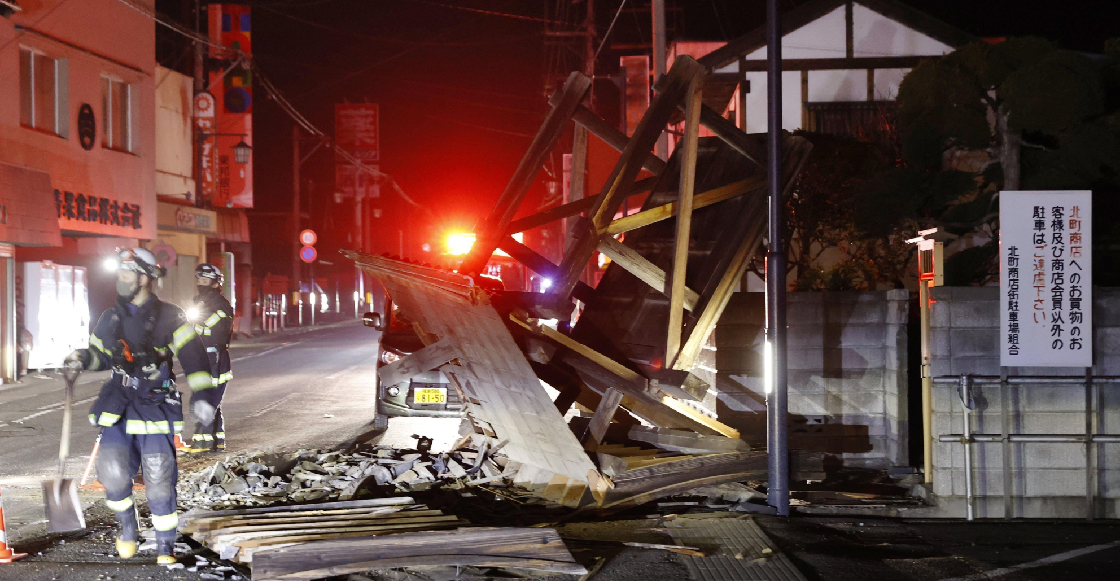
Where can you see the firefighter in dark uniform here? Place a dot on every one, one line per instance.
(139, 409)
(212, 316)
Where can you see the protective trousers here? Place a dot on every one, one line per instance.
(213, 435)
(121, 455)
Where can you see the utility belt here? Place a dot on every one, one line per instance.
(150, 391)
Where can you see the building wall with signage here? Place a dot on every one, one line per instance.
(226, 183)
(77, 103)
(174, 134)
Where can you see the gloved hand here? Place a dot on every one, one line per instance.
(203, 411)
(78, 359)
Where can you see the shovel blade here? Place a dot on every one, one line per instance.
(64, 510)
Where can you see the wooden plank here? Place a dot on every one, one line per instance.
(610, 134)
(643, 269)
(602, 418)
(425, 359)
(250, 544)
(494, 227)
(684, 217)
(684, 441)
(541, 265)
(572, 208)
(264, 523)
(534, 548)
(210, 524)
(602, 360)
(322, 527)
(338, 505)
(637, 149)
(683, 409)
(666, 211)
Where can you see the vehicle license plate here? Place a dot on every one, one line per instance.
(430, 395)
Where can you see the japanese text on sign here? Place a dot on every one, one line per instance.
(84, 208)
(1046, 279)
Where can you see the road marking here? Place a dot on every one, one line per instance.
(48, 409)
(266, 351)
(338, 374)
(271, 406)
(1039, 563)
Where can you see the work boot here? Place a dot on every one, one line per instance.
(165, 552)
(130, 532)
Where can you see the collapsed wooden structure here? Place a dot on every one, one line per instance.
(630, 355)
(312, 541)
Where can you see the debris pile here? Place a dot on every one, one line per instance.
(257, 479)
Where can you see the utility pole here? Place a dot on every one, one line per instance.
(295, 214)
(777, 421)
(577, 188)
(657, 8)
(199, 87)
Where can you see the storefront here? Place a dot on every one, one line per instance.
(27, 219)
(180, 246)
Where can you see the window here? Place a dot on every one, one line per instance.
(116, 114)
(42, 89)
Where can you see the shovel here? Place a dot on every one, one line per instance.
(64, 511)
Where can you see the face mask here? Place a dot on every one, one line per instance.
(127, 289)
(204, 289)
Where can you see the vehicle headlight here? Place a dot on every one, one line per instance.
(393, 391)
(389, 357)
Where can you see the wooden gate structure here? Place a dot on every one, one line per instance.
(630, 354)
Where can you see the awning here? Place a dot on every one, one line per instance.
(27, 215)
(233, 225)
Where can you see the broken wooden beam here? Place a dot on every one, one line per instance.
(540, 549)
(494, 227)
(636, 264)
(702, 200)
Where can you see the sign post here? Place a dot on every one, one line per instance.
(1046, 279)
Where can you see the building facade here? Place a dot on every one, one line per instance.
(77, 147)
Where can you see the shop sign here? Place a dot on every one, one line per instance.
(188, 219)
(1046, 279)
(94, 209)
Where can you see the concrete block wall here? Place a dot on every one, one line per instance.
(1048, 479)
(847, 372)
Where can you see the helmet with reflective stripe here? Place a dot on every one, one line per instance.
(210, 271)
(140, 260)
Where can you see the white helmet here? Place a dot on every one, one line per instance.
(141, 261)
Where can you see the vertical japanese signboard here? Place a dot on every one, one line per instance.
(357, 132)
(1046, 279)
(232, 84)
(204, 122)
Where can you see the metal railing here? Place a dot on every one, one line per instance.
(1089, 437)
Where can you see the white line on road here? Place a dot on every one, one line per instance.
(48, 409)
(1039, 563)
(271, 406)
(338, 374)
(266, 351)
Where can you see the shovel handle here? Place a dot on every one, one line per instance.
(71, 377)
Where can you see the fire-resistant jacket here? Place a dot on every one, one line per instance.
(215, 327)
(146, 405)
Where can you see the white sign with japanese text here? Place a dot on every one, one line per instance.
(1046, 279)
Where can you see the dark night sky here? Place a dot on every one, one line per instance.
(462, 92)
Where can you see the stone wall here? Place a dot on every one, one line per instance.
(1048, 479)
(848, 370)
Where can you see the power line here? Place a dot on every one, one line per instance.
(609, 29)
(487, 12)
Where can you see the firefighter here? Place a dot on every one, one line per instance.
(213, 322)
(139, 409)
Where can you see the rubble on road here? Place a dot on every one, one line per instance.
(258, 479)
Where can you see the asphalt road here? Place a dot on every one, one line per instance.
(313, 389)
